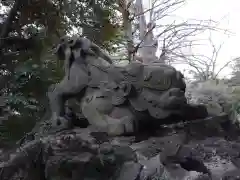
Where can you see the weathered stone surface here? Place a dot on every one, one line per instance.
(119, 100)
(83, 153)
(160, 136)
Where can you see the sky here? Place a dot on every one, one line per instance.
(227, 12)
(224, 11)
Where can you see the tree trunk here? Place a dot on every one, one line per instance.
(148, 47)
(127, 26)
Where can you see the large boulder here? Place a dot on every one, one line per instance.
(203, 149)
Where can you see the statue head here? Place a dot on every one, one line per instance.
(79, 47)
(73, 46)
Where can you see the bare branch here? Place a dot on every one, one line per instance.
(178, 37)
(159, 5)
(224, 66)
(138, 45)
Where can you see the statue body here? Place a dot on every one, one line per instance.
(116, 99)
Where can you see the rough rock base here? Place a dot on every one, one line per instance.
(204, 149)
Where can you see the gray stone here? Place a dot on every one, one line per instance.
(117, 100)
(130, 170)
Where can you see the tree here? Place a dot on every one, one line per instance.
(203, 67)
(28, 31)
(235, 79)
(145, 38)
(96, 20)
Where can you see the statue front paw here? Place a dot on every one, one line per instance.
(59, 121)
(128, 124)
(122, 126)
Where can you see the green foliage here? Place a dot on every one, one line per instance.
(236, 108)
(217, 96)
(27, 51)
(235, 79)
(96, 20)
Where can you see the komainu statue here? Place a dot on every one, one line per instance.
(116, 100)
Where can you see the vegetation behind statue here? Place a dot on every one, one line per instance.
(118, 100)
